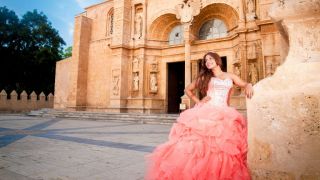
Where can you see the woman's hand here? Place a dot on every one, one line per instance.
(205, 99)
(249, 90)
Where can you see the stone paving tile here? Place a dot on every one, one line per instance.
(59, 149)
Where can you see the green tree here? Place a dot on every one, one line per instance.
(67, 52)
(35, 47)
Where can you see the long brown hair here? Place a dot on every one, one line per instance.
(205, 74)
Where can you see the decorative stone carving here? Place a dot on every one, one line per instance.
(154, 67)
(269, 68)
(187, 10)
(136, 81)
(251, 10)
(253, 73)
(271, 64)
(138, 25)
(237, 71)
(153, 83)
(135, 64)
(194, 70)
(252, 51)
(237, 55)
(115, 81)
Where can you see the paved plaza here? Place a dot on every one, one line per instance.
(58, 149)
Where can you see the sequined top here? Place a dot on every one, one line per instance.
(219, 90)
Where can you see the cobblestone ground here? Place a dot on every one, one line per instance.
(56, 149)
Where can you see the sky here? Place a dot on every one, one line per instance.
(60, 13)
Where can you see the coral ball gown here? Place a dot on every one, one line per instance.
(208, 142)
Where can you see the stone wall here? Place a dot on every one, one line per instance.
(23, 104)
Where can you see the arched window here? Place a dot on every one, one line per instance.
(110, 23)
(213, 29)
(176, 35)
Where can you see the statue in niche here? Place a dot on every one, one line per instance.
(153, 82)
(115, 82)
(135, 64)
(269, 68)
(237, 55)
(252, 51)
(253, 74)
(250, 6)
(138, 25)
(187, 10)
(136, 81)
(154, 67)
(237, 72)
(251, 14)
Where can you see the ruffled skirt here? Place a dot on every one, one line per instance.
(207, 143)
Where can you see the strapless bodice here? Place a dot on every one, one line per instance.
(219, 90)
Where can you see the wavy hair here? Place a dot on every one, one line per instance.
(206, 74)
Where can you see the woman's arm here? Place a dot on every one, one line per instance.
(239, 82)
(189, 91)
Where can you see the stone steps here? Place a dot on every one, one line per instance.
(104, 116)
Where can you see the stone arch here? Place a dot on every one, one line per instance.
(220, 11)
(161, 27)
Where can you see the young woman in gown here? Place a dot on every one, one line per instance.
(208, 141)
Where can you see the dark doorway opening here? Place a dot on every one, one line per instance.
(224, 64)
(175, 86)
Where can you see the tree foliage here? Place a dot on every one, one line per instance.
(67, 52)
(29, 49)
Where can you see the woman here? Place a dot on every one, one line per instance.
(209, 141)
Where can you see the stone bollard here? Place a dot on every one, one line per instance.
(284, 113)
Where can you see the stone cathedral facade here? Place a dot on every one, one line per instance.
(138, 55)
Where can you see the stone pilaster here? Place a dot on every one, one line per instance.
(79, 69)
(120, 55)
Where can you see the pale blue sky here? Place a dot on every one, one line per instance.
(60, 13)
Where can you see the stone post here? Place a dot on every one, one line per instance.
(187, 63)
(284, 113)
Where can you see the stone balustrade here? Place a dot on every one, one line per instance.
(22, 104)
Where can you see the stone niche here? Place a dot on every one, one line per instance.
(284, 113)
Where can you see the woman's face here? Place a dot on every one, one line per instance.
(210, 62)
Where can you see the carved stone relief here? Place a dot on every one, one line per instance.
(251, 10)
(253, 73)
(115, 81)
(135, 80)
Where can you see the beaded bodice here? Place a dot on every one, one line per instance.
(219, 90)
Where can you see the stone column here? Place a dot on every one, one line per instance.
(187, 62)
(284, 113)
(187, 52)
